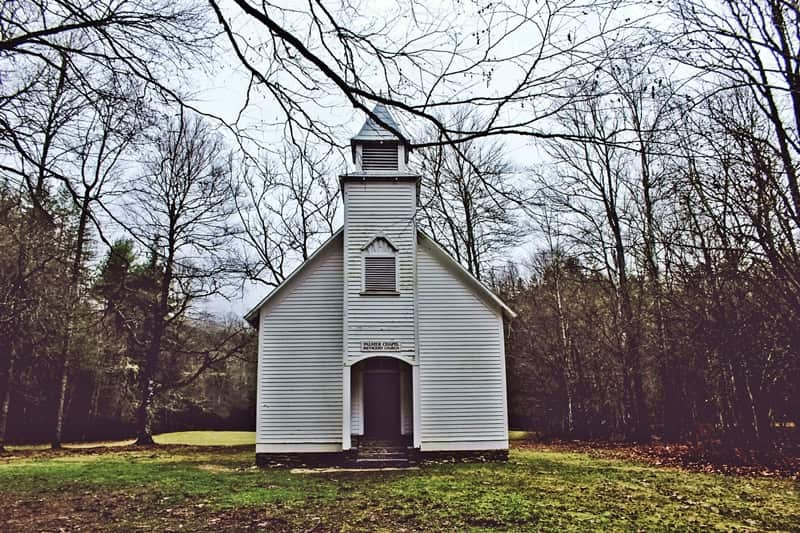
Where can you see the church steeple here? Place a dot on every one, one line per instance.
(376, 149)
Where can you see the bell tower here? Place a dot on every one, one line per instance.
(378, 151)
(380, 246)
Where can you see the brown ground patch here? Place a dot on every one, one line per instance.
(140, 511)
(126, 511)
(783, 462)
(158, 449)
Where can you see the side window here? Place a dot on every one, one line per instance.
(380, 267)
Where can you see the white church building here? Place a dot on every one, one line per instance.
(380, 340)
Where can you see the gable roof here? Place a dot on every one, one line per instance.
(372, 131)
(252, 315)
(467, 276)
(463, 273)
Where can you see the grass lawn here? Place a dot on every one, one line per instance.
(191, 438)
(208, 438)
(212, 489)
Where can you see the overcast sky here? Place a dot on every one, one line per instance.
(222, 89)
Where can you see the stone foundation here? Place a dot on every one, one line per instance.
(348, 458)
(295, 460)
(462, 456)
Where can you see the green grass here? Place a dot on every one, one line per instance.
(208, 438)
(195, 438)
(192, 438)
(519, 435)
(535, 491)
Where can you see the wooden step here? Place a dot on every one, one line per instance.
(398, 449)
(382, 454)
(382, 462)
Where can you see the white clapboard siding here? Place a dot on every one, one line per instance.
(462, 368)
(300, 360)
(357, 403)
(379, 208)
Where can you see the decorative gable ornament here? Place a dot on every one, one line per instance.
(378, 245)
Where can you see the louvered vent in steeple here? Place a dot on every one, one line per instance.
(379, 146)
(379, 157)
(380, 274)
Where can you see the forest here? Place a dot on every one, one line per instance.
(624, 174)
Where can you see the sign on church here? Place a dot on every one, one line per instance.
(380, 346)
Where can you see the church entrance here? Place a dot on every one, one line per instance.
(382, 400)
(382, 405)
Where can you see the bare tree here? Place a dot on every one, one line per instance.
(184, 212)
(469, 202)
(149, 40)
(553, 267)
(110, 127)
(509, 59)
(647, 102)
(30, 303)
(287, 207)
(740, 193)
(733, 227)
(590, 188)
(38, 127)
(751, 52)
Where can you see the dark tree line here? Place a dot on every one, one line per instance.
(658, 197)
(665, 301)
(115, 345)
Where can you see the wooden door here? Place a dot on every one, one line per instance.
(382, 405)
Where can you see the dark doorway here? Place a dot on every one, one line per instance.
(382, 405)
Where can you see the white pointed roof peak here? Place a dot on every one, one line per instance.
(373, 131)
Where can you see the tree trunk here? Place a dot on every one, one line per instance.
(75, 275)
(6, 401)
(636, 425)
(566, 367)
(147, 374)
(95, 401)
(669, 390)
(62, 402)
(144, 433)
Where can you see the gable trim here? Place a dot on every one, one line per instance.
(476, 285)
(379, 236)
(252, 316)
